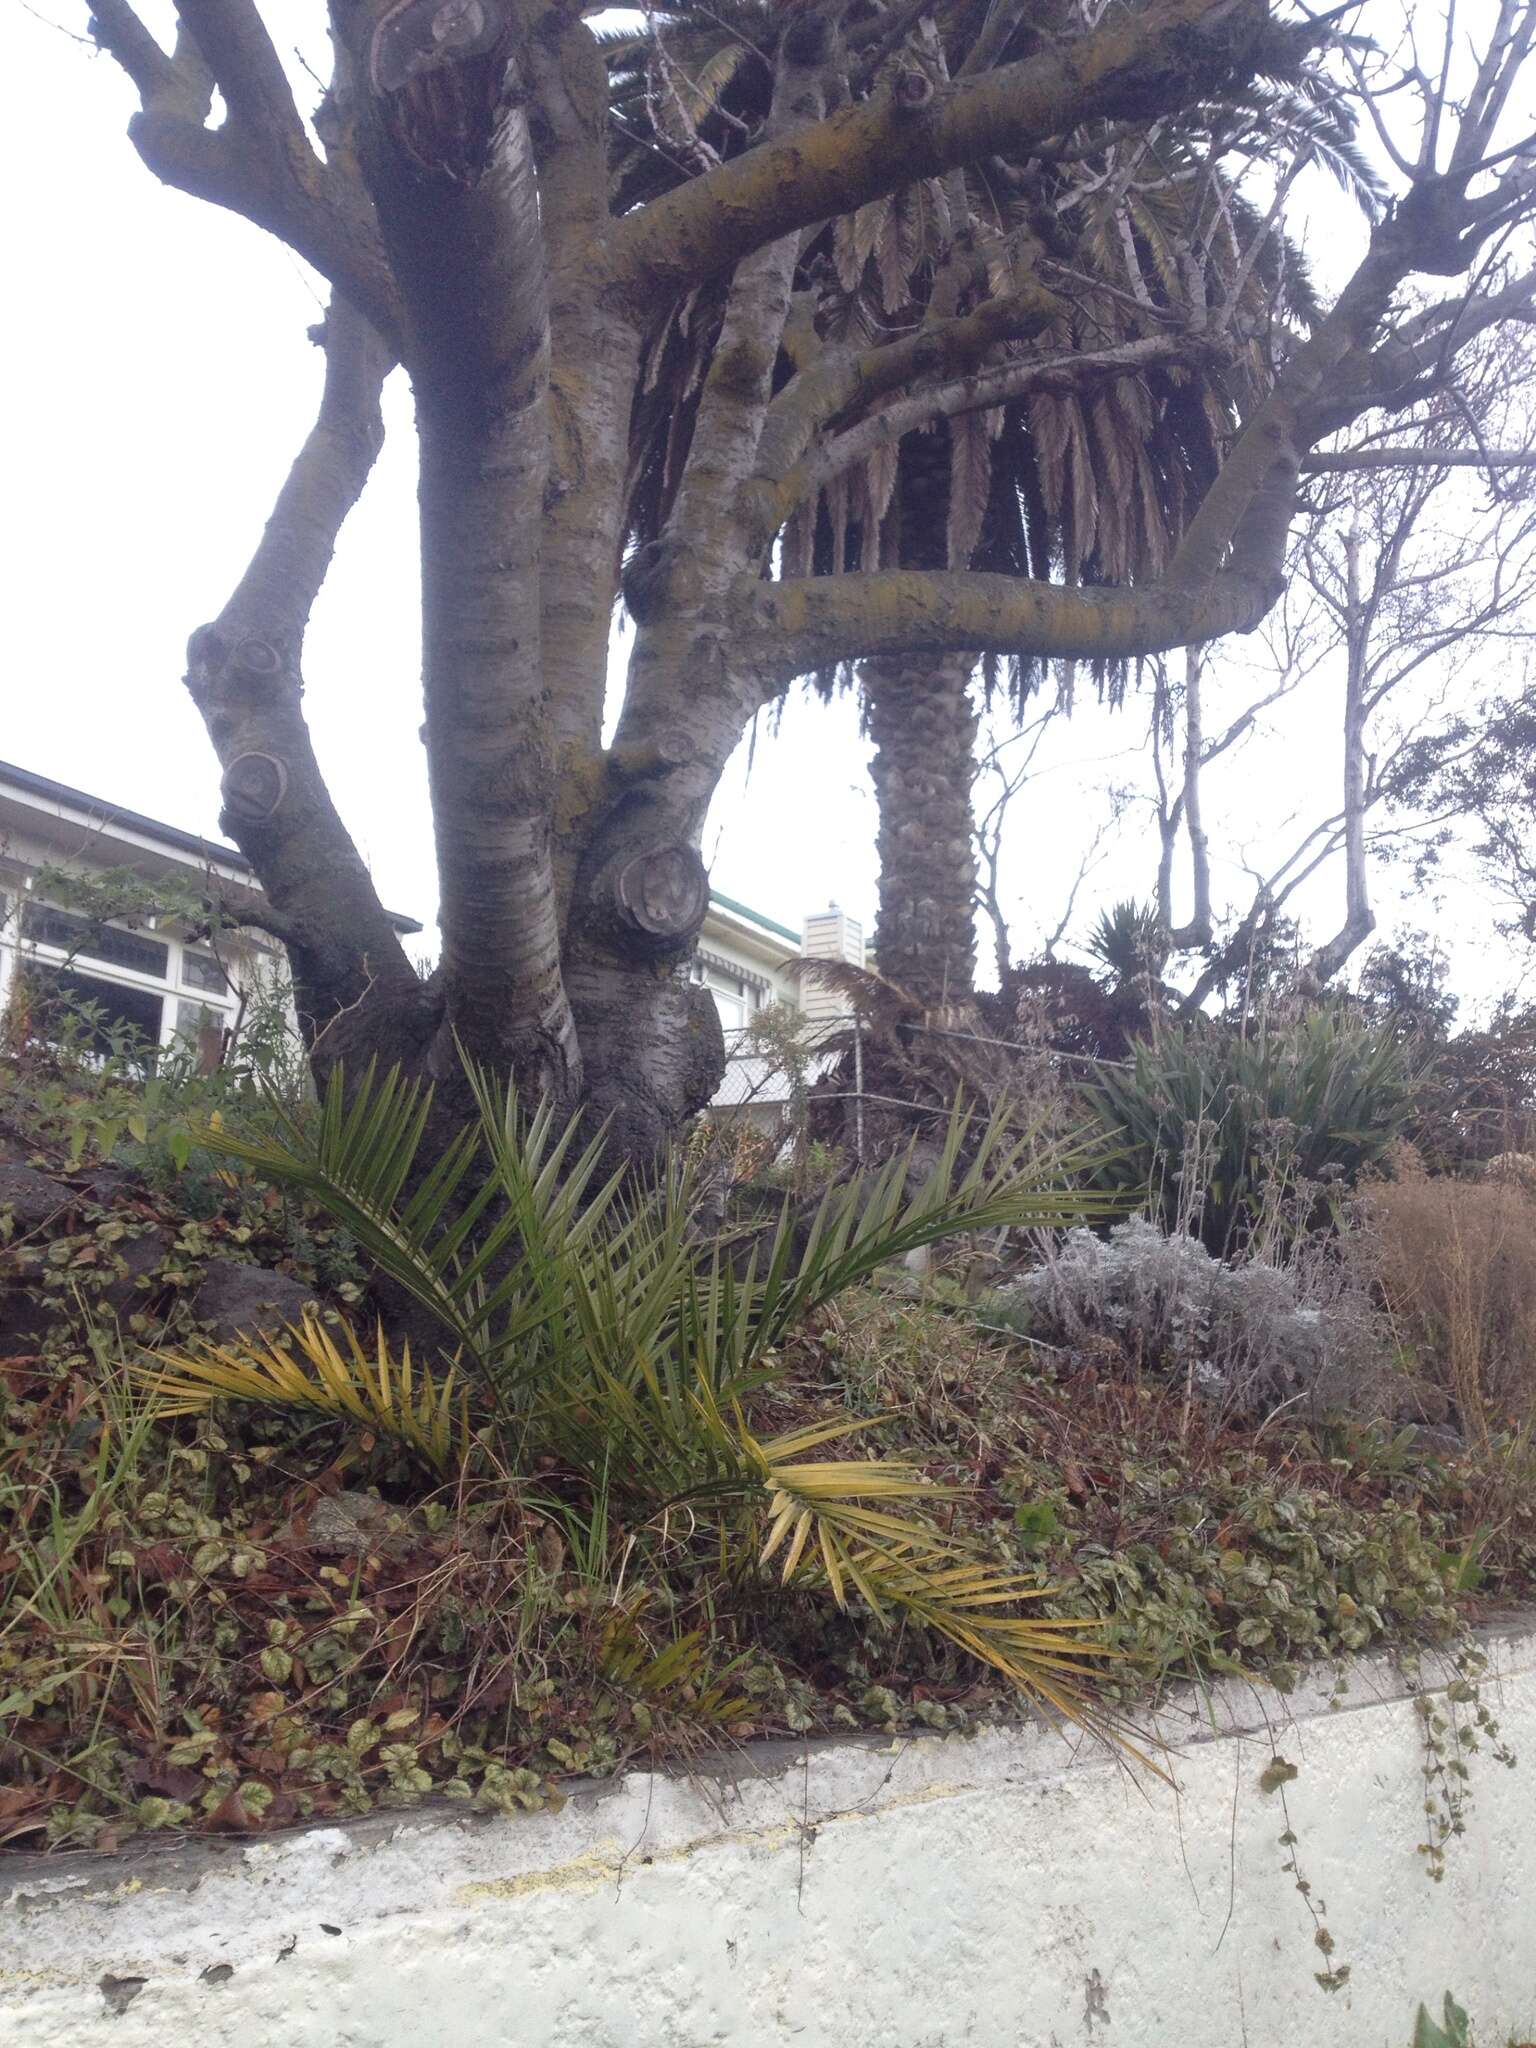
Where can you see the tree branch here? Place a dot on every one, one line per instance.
(162, 81)
(1162, 57)
(294, 554)
(836, 382)
(1410, 364)
(245, 676)
(233, 38)
(787, 629)
(998, 385)
(259, 164)
(734, 404)
(1418, 458)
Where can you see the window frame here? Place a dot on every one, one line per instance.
(17, 950)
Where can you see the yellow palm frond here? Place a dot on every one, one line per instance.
(307, 1367)
(857, 1526)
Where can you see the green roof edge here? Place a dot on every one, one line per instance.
(754, 916)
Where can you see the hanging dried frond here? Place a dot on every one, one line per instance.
(970, 481)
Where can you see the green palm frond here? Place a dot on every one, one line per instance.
(469, 1236)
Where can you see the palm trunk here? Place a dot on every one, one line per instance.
(919, 714)
(921, 719)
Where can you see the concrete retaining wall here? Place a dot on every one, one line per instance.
(1002, 1891)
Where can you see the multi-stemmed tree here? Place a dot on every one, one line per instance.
(455, 189)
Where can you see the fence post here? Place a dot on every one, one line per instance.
(858, 1089)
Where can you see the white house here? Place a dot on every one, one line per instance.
(165, 983)
(152, 974)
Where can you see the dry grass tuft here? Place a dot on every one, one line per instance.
(1458, 1276)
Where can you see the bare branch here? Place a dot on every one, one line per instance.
(259, 164)
(997, 385)
(834, 383)
(326, 480)
(160, 80)
(245, 676)
(1419, 458)
(734, 406)
(234, 40)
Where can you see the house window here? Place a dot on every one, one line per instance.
(123, 1020)
(736, 997)
(61, 929)
(201, 1029)
(201, 970)
(138, 991)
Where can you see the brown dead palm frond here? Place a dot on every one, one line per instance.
(879, 1004)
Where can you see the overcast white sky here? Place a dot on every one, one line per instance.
(160, 381)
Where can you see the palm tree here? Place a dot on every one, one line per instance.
(1112, 416)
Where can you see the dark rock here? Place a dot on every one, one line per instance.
(108, 1184)
(243, 1301)
(1439, 1440)
(31, 1196)
(24, 1321)
(138, 1256)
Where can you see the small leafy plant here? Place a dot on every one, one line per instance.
(1453, 2030)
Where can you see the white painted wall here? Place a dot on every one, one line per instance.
(1001, 1891)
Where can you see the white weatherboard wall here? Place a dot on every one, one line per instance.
(998, 1891)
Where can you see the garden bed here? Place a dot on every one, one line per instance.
(236, 1622)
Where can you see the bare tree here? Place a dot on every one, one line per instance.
(1411, 577)
(1180, 803)
(454, 190)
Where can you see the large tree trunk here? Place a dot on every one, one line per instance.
(923, 724)
(919, 715)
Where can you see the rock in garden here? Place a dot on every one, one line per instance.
(138, 1257)
(31, 1196)
(350, 1524)
(244, 1301)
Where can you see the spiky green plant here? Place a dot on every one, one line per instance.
(1215, 1126)
(1130, 942)
(602, 1336)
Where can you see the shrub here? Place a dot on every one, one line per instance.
(1249, 1335)
(1457, 1271)
(1242, 1138)
(92, 1090)
(1479, 1098)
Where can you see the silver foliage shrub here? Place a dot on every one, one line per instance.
(1249, 1334)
